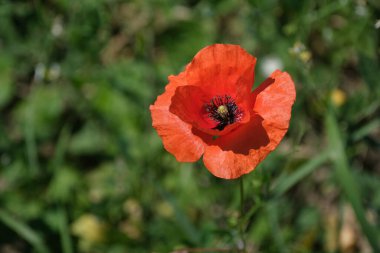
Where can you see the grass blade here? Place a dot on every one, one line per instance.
(66, 243)
(273, 219)
(288, 182)
(61, 147)
(365, 130)
(31, 147)
(346, 179)
(24, 231)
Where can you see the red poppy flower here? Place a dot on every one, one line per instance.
(210, 109)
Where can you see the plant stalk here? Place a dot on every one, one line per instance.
(241, 216)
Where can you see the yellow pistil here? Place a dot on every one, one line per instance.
(222, 111)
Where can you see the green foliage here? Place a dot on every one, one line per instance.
(82, 170)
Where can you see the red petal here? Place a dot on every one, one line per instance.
(273, 102)
(227, 164)
(177, 135)
(222, 69)
(239, 152)
(174, 82)
(188, 103)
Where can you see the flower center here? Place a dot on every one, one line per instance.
(224, 111)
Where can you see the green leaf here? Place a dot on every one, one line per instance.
(366, 130)
(63, 184)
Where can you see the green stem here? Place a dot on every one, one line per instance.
(241, 216)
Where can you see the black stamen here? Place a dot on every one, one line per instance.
(224, 111)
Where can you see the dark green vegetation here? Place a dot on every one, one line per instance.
(82, 170)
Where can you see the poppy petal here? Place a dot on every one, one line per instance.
(239, 152)
(227, 164)
(176, 135)
(174, 82)
(188, 104)
(273, 102)
(233, 155)
(222, 69)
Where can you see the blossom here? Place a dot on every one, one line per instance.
(89, 228)
(210, 109)
(338, 97)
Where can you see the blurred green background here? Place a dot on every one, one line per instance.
(82, 170)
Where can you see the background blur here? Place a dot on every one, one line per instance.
(82, 170)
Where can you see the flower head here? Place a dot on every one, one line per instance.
(210, 109)
(338, 97)
(89, 228)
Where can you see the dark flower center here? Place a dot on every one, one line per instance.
(224, 111)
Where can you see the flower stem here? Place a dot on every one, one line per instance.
(241, 216)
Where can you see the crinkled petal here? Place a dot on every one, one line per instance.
(273, 102)
(174, 82)
(222, 69)
(239, 152)
(188, 104)
(176, 135)
(227, 164)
